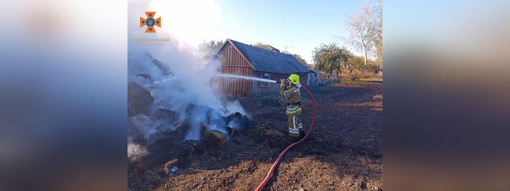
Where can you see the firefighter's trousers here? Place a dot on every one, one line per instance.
(295, 125)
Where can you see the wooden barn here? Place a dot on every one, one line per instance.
(246, 60)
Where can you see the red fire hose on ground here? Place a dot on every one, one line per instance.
(270, 173)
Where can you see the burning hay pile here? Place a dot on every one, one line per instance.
(183, 107)
(212, 139)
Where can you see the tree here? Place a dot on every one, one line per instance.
(269, 47)
(209, 49)
(300, 59)
(355, 63)
(331, 58)
(265, 46)
(378, 41)
(259, 44)
(365, 27)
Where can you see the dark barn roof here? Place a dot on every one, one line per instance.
(264, 60)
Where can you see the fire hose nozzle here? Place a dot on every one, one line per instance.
(280, 80)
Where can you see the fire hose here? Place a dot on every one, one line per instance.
(270, 173)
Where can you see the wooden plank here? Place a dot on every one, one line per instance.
(246, 84)
(228, 55)
(233, 62)
(239, 52)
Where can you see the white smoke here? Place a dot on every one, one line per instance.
(190, 94)
(149, 129)
(136, 151)
(172, 76)
(235, 106)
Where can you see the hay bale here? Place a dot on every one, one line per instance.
(139, 99)
(165, 113)
(214, 139)
(193, 147)
(231, 131)
(139, 168)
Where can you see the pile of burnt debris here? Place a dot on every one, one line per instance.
(213, 139)
(139, 103)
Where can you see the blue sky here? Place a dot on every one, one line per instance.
(301, 25)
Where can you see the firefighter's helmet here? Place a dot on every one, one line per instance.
(294, 79)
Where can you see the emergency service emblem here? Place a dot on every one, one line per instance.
(150, 22)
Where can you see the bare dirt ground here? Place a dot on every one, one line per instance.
(343, 152)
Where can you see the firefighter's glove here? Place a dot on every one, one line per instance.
(282, 83)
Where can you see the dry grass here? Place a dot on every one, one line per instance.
(274, 133)
(360, 76)
(371, 80)
(376, 104)
(378, 97)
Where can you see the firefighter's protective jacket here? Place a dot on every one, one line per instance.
(293, 96)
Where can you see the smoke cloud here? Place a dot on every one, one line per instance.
(178, 80)
(136, 151)
(185, 91)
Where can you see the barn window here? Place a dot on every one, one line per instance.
(265, 76)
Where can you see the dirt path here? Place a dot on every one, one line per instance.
(344, 152)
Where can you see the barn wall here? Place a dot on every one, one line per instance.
(233, 63)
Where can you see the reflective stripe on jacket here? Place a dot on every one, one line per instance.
(292, 94)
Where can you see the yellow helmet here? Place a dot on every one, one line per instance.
(294, 79)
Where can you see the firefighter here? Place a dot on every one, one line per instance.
(290, 90)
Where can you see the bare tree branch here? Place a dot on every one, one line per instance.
(365, 26)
